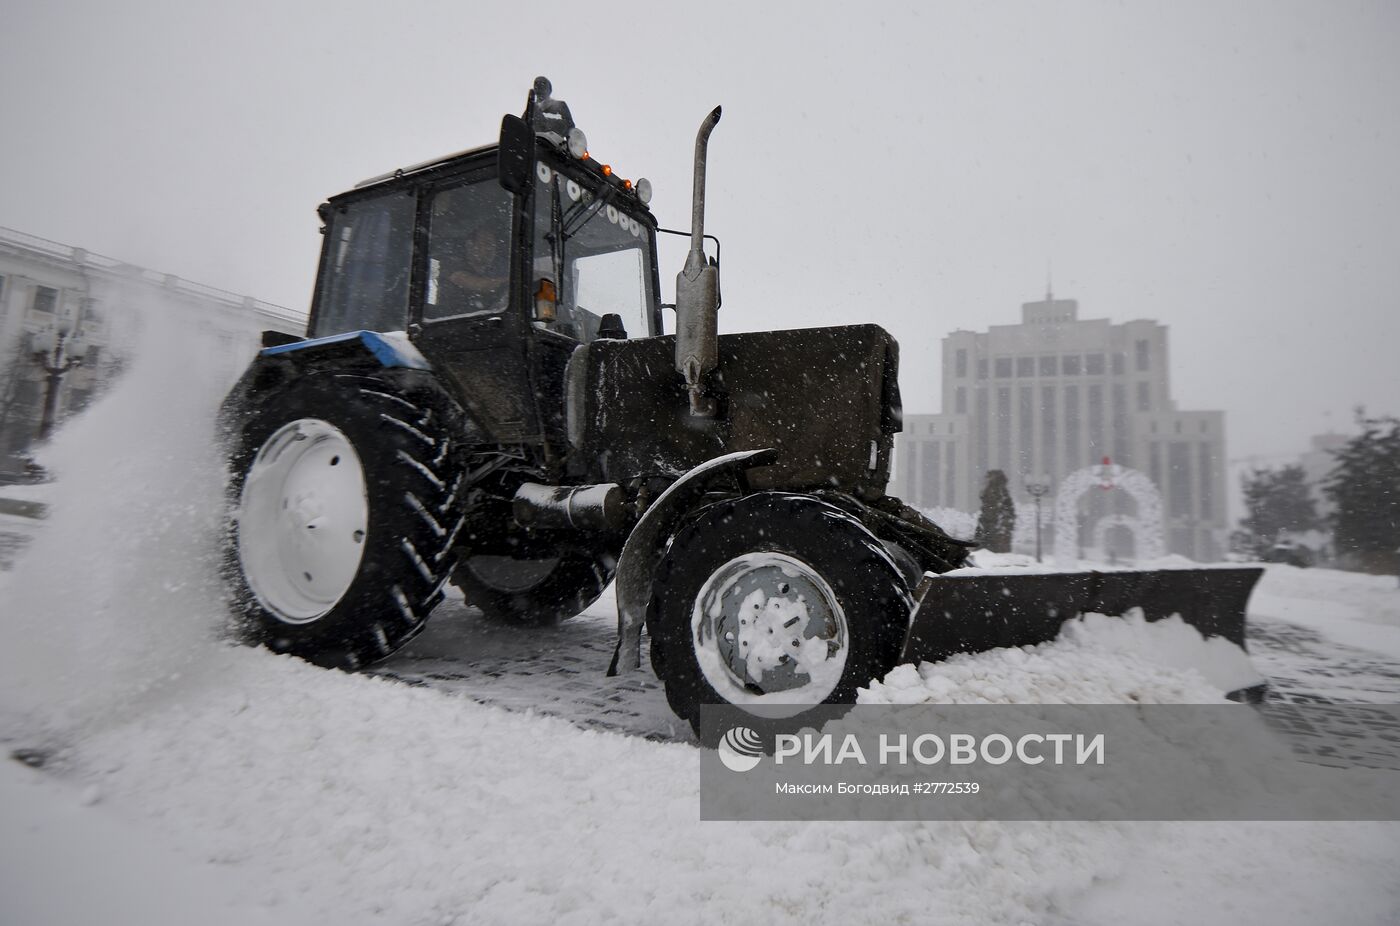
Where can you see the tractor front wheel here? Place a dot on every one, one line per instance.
(774, 599)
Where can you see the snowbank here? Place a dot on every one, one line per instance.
(1352, 608)
(1076, 668)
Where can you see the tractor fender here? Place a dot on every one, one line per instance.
(389, 355)
(648, 543)
(387, 348)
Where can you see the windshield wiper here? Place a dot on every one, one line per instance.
(581, 214)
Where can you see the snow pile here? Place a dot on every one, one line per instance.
(1095, 660)
(1351, 608)
(117, 595)
(1064, 671)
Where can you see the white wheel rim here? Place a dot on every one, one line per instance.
(767, 629)
(302, 520)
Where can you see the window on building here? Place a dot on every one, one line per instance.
(960, 401)
(1093, 364)
(950, 474)
(1047, 430)
(1120, 428)
(982, 430)
(981, 367)
(1178, 425)
(1144, 353)
(1047, 366)
(908, 453)
(1025, 366)
(1206, 475)
(960, 363)
(1119, 364)
(1003, 367)
(1025, 452)
(1097, 447)
(1004, 428)
(1204, 426)
(45, 299)
(1071, 365)
(931, 464)
(2, 294)
(1179, 500)
(1073, 458)
(1144, 396)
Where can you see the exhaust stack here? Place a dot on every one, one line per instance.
(697, 292)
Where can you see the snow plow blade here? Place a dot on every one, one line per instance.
(976, 612)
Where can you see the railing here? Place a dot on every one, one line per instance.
(168, 281)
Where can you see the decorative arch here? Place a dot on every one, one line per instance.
(1151, 544)
(1108, 522)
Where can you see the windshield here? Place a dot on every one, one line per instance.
(597, 257)
(364, 276)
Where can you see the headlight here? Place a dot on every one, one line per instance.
(578, 142)
(644, 190)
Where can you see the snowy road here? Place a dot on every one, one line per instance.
(562, 671)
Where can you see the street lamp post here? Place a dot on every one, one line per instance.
(1037, 487)
(56, 353)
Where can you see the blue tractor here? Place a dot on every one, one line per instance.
(485, 397)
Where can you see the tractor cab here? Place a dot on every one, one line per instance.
(498, 262)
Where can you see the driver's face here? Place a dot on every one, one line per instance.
(481, 248)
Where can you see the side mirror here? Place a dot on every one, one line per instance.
(515, 155)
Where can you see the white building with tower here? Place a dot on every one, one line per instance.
(1084, 405)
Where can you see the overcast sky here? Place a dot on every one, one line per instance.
(1229, 169)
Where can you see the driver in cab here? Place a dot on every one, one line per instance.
(478, 275)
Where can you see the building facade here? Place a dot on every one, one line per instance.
(47, 288)
(1056, 394)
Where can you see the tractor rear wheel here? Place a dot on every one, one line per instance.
(774, 599)
(345, 506)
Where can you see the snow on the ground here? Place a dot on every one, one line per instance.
(1350, 608)
(258, 783)
(69, 859)
(986, 562)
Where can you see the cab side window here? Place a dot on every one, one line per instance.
(365, 283)
(469, 234)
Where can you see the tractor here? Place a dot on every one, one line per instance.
(485, 396)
